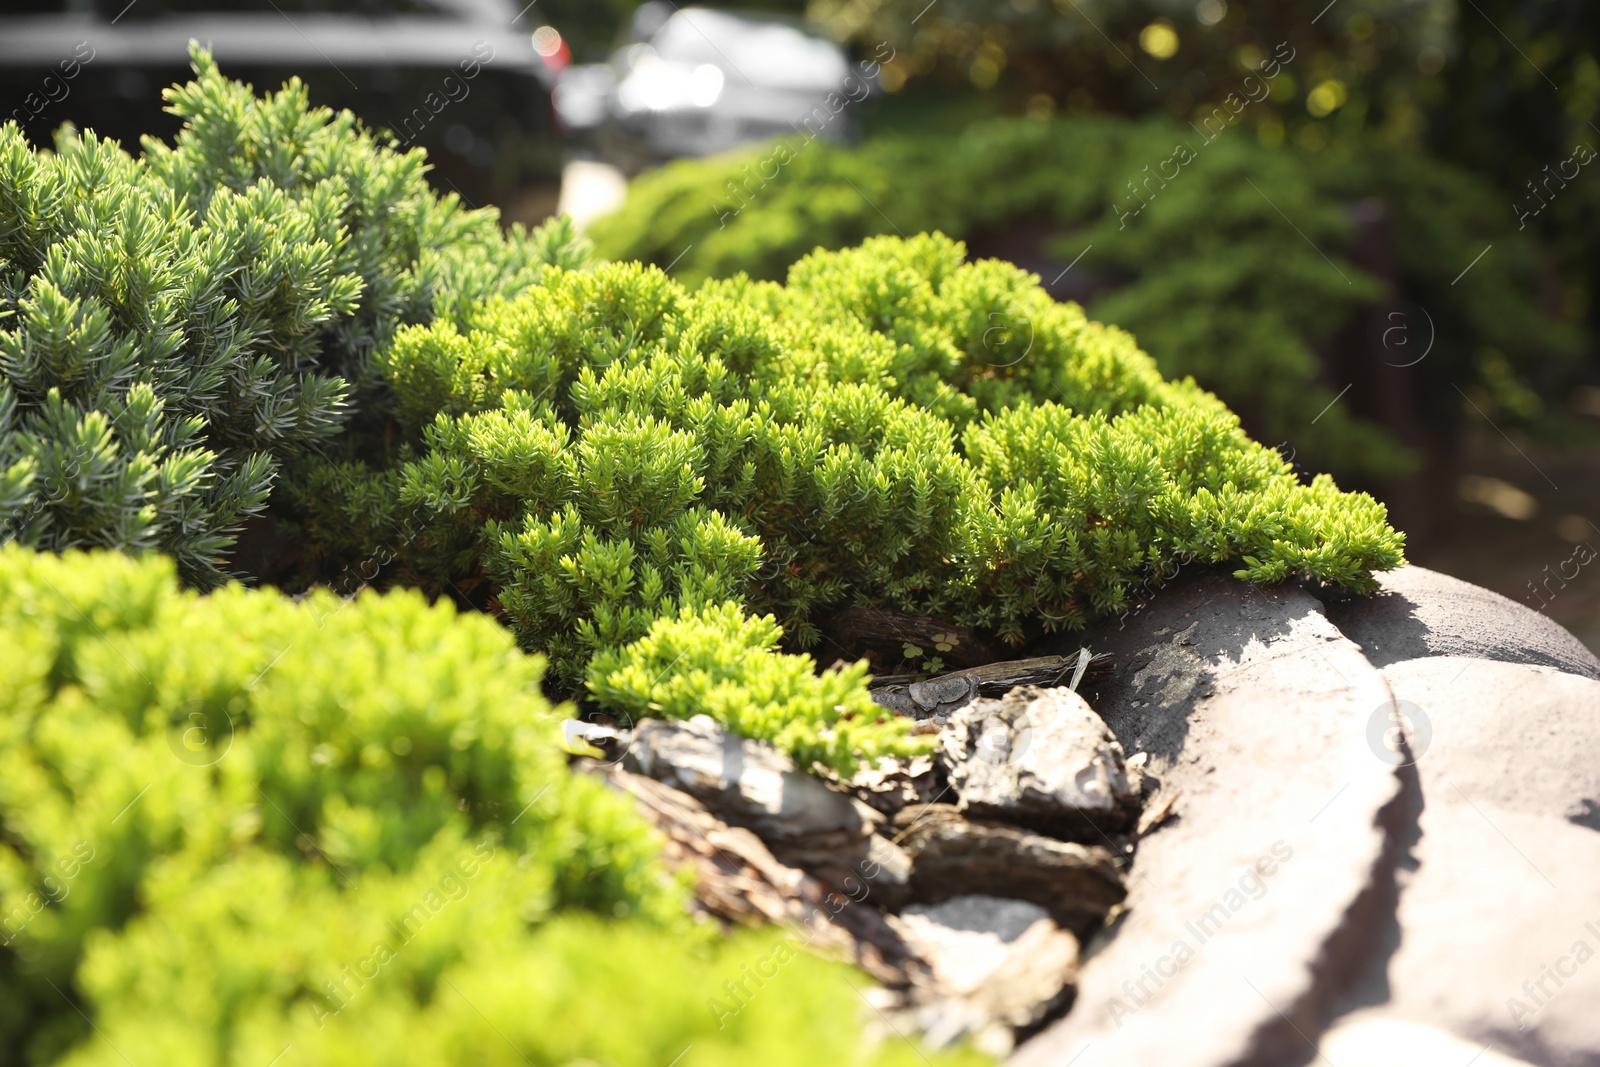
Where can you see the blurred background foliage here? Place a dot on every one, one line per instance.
(1504, 88)
(1441, 130)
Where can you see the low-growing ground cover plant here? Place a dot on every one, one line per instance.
(173, 328)
(633, 470)
(236, 825)
(1231, 262)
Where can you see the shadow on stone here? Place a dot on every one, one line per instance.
(1421, 613)
(1159, 680)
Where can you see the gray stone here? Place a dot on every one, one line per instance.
(738, 879)
(887, 871)
(881, 878)
(1419, 613)
(936, 698)
(941, 696)
(953, 856)
(996, 965)
(1040, 758)
(750, 784)
(896, 699)
(995, 918)
(1245, 903)
(1496, 934)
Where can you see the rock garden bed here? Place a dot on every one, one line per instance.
(1083, 725)
(1247, 836)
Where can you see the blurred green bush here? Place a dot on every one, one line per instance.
(1505, 90)
(236, 824)
(1145, 57)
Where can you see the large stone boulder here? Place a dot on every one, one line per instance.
(1244, 905)
(1376, 1042)
(1361, 865)
(1497, 924)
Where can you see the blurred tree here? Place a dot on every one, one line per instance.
(1518, 100)
(1355, 65)
(1507, 88)
(1520, 88)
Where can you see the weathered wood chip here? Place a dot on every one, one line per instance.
(738, 880)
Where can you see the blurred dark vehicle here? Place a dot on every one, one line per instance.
(696, 81)
(460, 78)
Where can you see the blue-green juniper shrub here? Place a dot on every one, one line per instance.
(175, 328)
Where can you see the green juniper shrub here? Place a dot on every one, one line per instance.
(719, 661)
(173, 329)
(1089, 507)
(1222, 256)
(236, 822)
(758, 210)
(624, 464)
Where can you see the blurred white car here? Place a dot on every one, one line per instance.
(694, 81)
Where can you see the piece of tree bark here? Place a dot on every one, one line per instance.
(946, 693)
(738, 880)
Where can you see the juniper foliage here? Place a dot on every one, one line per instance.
(620, 460)
(173, 328)
(237, 822)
